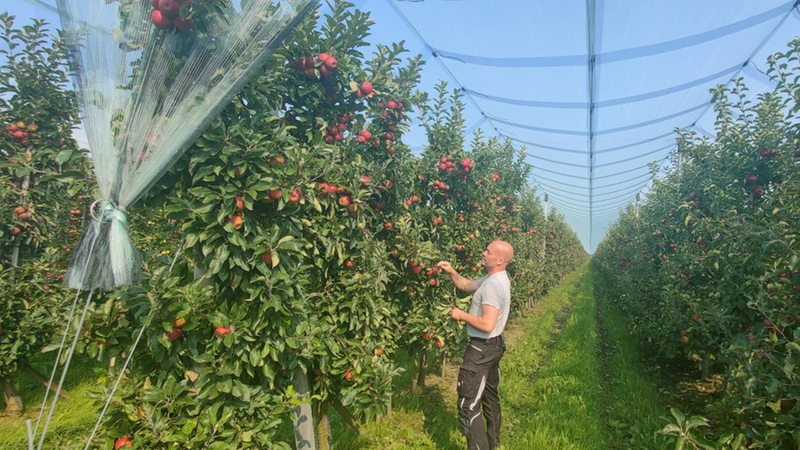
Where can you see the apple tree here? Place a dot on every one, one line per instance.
(282, 203)
(43, 192)
(708, 268)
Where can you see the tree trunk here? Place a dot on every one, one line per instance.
(36, 375)
(14, 406)
(422, 367)
(704, 371)
(323, 426)
(346, 416)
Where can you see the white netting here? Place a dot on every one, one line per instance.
(148, 85)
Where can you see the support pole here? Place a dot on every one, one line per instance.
(303, 416)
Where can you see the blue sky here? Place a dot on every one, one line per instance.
(591, 126)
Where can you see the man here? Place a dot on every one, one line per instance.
(479, 375)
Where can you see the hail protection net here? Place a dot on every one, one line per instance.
(150, 76)
(595, 90)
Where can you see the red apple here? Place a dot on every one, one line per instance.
(267, 258)
(14, 230)
(237, 222)
(160, 20)
(388, 225)
(328, 61)
(239, 203)
(221, 331)
(170, 8)
(174, 334)
(344, 200)
(365, 88)
(348, 375)
(276, 161)
(124, 441)
(296, 195)
(309, 62)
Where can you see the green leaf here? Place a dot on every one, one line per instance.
(63, 156)
(255, 358)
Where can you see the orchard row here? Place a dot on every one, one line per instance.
(294, 242)
(709, 267)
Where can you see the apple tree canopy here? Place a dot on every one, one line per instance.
(150, 76)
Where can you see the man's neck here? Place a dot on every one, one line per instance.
(494, 270)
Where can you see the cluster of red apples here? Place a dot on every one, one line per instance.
(172, 13)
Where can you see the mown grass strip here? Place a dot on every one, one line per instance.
(635, 408)
(557, 404)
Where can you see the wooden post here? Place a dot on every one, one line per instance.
(544, 232)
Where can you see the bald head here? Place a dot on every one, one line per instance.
(497, 256)
(504, 250)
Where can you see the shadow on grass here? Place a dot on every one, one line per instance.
(441, 422)
(422, 418)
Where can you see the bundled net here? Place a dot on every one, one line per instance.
(150, 76)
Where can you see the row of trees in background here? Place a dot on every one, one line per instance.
(43, 192)
(709, 267)
(294, 244)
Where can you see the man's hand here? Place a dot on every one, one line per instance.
(457, 314)
(445, 267)
(485, 322)
(460, 282)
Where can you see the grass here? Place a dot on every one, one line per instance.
(552, 394)
(74, 417)
(635, 403)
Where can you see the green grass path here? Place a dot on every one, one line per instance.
(572, 379)
(551, 386)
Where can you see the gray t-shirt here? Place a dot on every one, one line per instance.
(494, 290)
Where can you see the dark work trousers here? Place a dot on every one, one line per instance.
(478, 397)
